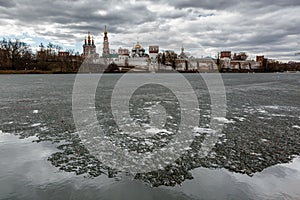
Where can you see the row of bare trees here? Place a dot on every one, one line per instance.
(14, 53)
(17, 55)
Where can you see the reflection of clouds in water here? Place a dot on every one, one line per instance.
(280, 181)
(26, 159)
(276, 181)
(25, 172)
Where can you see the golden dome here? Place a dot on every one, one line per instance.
(138, 46)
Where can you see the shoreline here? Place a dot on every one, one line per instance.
(16, 72)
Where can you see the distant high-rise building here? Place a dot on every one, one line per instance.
(106, 52)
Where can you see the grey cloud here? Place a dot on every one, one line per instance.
(224, 4)
(206, 4)
(45, 12)
(7, 3)
(232, 24)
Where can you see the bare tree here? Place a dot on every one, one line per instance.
(42, 47)
(240, 56)
(50, 48)
(71, 51)
(15, 52)
(58, 48)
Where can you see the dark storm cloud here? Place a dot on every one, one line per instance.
(7, 3)
(232, 24)
(77, 15)
(206, 4)
(225, 4)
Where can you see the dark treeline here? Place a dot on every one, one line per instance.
(17, 55)
(276, 66)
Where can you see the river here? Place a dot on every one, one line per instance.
(256, 155)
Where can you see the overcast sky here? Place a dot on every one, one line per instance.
(203, 27)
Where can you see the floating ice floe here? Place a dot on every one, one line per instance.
(260, 110)
(241, 119)
(170, 117)
(273, 107)
(277, 115)
(36, 125)
(224, 120)
(4, 133)
(153, 130)
(148, 143)
(11, 122)
(296, 126)
(199, 130)
(45, 128)
(256, 154)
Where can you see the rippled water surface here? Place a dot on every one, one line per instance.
(256, 157)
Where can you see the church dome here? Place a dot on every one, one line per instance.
(138, 46)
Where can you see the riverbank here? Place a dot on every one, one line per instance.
(26, 72)
(125, 71)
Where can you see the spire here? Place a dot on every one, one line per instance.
(105, 31)
(89, 38)
(93, 42)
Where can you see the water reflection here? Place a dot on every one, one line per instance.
(30, 176)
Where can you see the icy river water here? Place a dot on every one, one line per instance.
(257, 155)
